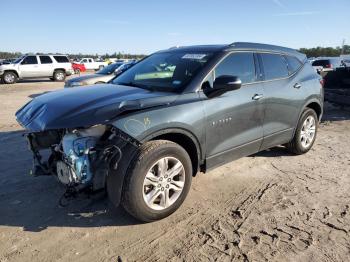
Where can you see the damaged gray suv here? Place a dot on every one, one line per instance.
(176, 113)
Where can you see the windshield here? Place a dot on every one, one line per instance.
(109, 69)
(168, 71)
(18, 60)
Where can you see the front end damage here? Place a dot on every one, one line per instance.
(72, 136)
(81, 159)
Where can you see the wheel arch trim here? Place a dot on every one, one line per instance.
(181, 131)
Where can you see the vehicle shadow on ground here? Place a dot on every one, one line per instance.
(32, 203)
(273, 152)
(35, 81)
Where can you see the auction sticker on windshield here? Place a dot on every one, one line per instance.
(194, 56)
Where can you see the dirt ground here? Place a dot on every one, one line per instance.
(270, 206)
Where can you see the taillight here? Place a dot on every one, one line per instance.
(329, 66)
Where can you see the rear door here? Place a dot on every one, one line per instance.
(29, 67)
(234, 119)
(46, 66)
(283, 97)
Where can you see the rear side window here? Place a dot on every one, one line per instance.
(275, 66)
(238, 64)
(44, 59)
(61, 59)
(323, 63)
(30, 60)
(293, 64)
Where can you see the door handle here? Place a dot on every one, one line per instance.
(257, 96)
(297, 86)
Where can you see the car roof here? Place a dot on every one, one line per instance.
(238, 46)
(44, 54)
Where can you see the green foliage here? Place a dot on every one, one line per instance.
(325, 51)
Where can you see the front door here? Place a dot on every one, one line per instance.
(29, 67)
(234, 119)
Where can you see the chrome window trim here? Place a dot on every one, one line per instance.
(254, 52)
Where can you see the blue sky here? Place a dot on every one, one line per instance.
(140, 26)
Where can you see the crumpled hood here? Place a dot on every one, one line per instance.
(86, 106)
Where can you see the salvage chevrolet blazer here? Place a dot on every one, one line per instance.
(175, 113)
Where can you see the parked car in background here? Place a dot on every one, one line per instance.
(91, 64)
(311, 59)
(102, 76)
(174, 113)
(55, 67)
(7, 61)
(346, 62)
(78, 68)
(326, 64)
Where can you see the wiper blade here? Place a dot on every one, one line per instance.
(127, 84)
(133, 84)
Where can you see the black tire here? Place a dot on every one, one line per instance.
(133, 190)
(59, 75)
(295, 146)
(9, 78)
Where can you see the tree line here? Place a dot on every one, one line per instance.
(119, 55)
(310, 52)
(325, 51)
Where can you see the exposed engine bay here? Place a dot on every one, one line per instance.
(80, 158)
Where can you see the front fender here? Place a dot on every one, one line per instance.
(184, 117)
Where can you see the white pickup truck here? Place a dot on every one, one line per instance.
(91, 64)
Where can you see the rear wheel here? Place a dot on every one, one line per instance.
(59, 75)
(9, 78)
(158, 181)
(305, 133)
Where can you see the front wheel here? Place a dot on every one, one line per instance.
(158, 181)
(305, 134)
(9, 78)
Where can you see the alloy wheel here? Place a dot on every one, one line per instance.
(9, 78)
(163, 183)
(308, 132)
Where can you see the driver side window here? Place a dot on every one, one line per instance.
(30, 60)
(237, 64)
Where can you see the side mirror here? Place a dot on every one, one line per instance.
(223, 84)
(116, 72)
